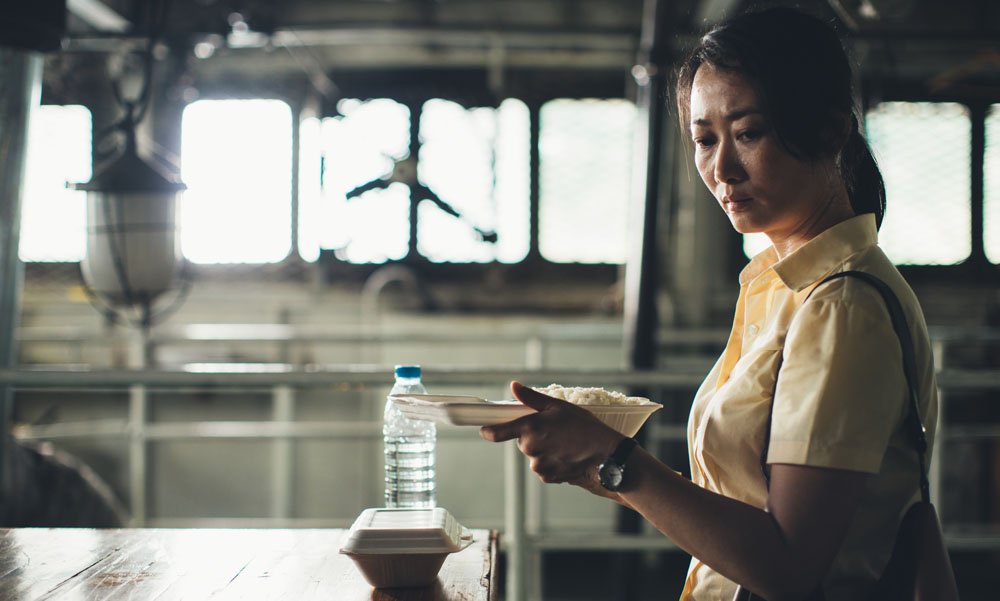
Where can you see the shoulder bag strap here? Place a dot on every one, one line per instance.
(913, 421)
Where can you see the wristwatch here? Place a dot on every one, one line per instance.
(611, 473)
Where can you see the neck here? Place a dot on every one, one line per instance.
(836, 209)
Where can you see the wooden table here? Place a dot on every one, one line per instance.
(190, 565)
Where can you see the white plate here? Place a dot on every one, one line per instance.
(459, 410)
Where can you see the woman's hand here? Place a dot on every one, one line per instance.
(565, 442)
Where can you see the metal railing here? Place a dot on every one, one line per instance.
(525, 537)
(288, 343)
(523, 542)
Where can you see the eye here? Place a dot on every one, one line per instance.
(749, 135)
(703, 141)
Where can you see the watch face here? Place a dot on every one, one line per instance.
(610, 475)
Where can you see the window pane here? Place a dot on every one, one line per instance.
(53, 217)
(923, 150)
(356, 177)
(367, 145)
(476, 161)
(585, 167)
(991, 186)
(236, 159)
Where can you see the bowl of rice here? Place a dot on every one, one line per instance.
(625, 414)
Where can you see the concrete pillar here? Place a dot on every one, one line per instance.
(20, 93)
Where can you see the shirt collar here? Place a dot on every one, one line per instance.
(760, 263)
(817, 257)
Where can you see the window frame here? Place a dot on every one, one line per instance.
(976, 270)
(470, 88)
(533, 266)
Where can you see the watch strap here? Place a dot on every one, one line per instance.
(623, 450)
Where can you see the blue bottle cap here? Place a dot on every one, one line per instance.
(407, 371)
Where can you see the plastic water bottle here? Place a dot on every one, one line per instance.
(409, 448)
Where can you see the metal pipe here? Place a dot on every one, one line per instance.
(98, 15)
(609, 333)
(360, 377)
(641, 270)
(20, 93)
(977, 164)
(515, 534)
(602, 333)
(354, 378)
(282, 454)
(137, 454)
(222, 430)
(590, 41)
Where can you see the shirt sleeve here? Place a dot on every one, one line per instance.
(841, 390)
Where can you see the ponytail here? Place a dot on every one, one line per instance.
(865, 186)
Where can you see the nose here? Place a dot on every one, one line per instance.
(728, 166)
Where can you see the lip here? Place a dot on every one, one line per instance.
(736, 204)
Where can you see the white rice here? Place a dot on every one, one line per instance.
(589, 396)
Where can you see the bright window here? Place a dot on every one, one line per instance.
(236, 159)
(53, 217)
(585, 149)
(358, 178)
(923, 150)
(991, 186)
(476, 161)
(340, 155)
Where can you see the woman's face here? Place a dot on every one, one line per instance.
(760, 186)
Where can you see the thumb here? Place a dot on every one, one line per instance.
(531, 397)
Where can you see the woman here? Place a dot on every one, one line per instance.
(767, 100)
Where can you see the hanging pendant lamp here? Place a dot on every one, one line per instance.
(133, 252)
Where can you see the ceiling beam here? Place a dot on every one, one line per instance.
(98, 15)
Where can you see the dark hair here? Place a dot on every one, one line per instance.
(803, 78)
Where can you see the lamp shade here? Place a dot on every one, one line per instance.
(133, 254)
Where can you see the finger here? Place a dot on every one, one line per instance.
(532, 398)
(504, 431)
(498, 433)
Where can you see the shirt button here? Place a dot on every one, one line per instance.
(752, 330)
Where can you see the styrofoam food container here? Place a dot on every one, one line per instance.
(403, 547)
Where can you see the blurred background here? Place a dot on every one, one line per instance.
(223, 222)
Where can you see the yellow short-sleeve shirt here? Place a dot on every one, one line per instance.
(839, 401)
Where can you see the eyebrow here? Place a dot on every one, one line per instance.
(733, 116)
